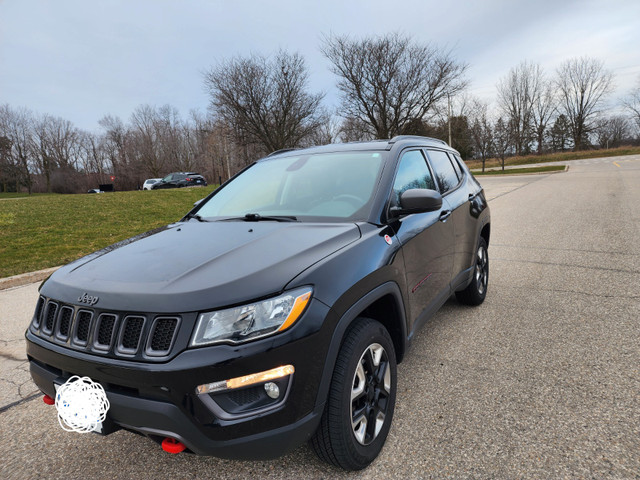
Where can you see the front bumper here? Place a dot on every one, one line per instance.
(159, 400)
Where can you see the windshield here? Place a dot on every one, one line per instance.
(334, 185)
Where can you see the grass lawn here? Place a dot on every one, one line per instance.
(516, 171)
(41, 231)
(4, 195)
(555, 157)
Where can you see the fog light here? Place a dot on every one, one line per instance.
(272, 390)
(246, 381)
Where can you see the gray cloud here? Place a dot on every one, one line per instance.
(81, 60)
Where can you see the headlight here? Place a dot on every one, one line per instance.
(252, 321)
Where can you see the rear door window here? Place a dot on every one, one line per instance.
(443, 169)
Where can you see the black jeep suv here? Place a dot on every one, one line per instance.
(274, 312)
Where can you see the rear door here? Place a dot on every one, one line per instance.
(426, 239)
(453, 188)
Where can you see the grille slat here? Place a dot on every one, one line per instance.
(38, 316)
(162, 335)
(83, 325)
(106, 324)
(50, 317)
(64, 327)
(131, 333)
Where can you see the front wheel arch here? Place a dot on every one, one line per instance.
(389, 288)
(359, 410)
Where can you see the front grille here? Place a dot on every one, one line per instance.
(50, 317)
(107, 333)
(83, 326)
(106, 324)
(162, 334)
(64, 325)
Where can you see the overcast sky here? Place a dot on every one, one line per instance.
(83, 59)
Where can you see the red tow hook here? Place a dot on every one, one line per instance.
(171, 445)
(48, 400)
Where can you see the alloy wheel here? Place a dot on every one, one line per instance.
(370, 394)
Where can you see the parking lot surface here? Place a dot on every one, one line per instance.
(541, 381)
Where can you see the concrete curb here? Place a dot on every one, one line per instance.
(25, 278)
(566, 169)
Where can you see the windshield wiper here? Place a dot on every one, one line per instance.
(196, 216)
(256, 217)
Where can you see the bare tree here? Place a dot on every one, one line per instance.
(328, 131)
(583, 84)
(544, 107)
(389, 81)
(632, 105)
(611, 131)
(265, 100)
(41, 149)
(518, 92)
(502, 140)
(16, 129)
(354, 130)
(148, 128)
(481, 130)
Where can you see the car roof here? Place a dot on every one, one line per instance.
(382, 145)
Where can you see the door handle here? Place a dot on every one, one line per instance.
(444, 215)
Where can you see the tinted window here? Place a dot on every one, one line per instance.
(412, 173)
(456, 165)
(444, 171)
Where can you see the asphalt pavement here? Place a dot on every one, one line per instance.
(541, 381)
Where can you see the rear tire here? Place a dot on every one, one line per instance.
(476, 291)
(361, 401)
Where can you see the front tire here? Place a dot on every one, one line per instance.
(476, 291)
(361, 401)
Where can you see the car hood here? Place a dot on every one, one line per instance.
(195, 266)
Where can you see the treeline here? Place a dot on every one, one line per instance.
(389, 85)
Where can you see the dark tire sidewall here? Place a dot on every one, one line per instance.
(365, 454)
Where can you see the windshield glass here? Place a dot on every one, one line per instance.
(335, 185)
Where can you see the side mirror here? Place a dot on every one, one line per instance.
(418, 200)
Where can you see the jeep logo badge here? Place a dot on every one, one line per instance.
(88, 299)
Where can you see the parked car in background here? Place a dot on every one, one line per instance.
(181, 179)
(149, 182)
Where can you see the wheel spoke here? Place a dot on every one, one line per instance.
(359, 382)
(371, 423)
(379, 423)
(359, 426)
(383, 377)
(368, 362)
(376, 353)
(387, 379)
(358, 414)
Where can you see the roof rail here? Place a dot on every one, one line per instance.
(282, 150)
(397, 138)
